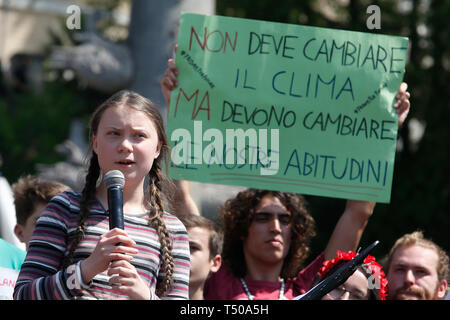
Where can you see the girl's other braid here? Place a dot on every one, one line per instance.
(157, 221)
(87, 195)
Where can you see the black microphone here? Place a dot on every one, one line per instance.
(114, 180)
(338, 277)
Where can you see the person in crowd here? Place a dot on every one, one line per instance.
(205, 244)
(266, 240)
(73, 254)
(368, 282)
(31, 195)
(417, 269)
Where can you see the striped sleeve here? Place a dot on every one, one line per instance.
(40, 277)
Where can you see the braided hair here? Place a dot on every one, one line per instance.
(157, 181)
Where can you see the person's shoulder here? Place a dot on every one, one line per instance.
(11, 256)
(65, 205)
(5, 245)
(225, 272)
(173, 223)
(68, 196)
(222, 285)
(223, 275)
(307, 275)
(313, 267)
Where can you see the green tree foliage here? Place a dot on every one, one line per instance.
(421, 188)
(32, 124)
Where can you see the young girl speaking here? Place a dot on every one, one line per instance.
(74, 255)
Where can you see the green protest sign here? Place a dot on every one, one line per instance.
(285, 107)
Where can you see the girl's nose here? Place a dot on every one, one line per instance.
(125, 146)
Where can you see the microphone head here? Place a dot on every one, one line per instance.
(114, 178)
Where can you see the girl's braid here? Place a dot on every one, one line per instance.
(87, 196)
(156, 201)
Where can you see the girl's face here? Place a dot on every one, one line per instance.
(126, 140)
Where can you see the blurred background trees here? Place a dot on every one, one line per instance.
(34, 119)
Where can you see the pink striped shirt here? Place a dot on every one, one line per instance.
(42, 277)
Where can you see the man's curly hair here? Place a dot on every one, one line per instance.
(237, 215)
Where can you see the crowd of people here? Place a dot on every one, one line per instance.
(254, 251)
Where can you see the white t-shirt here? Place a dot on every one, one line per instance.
(8, 279)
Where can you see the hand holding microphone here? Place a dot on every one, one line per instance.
(106, 251)
(115, 181)
(115, 244)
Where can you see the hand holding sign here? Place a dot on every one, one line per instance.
(169, 80)
(402, 103)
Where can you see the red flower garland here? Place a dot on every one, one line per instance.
(369, 262)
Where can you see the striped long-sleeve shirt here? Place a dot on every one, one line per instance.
(42, 275)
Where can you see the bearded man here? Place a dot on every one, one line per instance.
(417, 269)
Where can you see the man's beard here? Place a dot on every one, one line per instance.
(414, 293)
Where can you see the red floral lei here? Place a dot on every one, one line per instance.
(369, 262)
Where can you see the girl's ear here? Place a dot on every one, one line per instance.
(158, 150)
(94, 143)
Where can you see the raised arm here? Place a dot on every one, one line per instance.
(169, 80)
(183, 202)
(350, 227)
